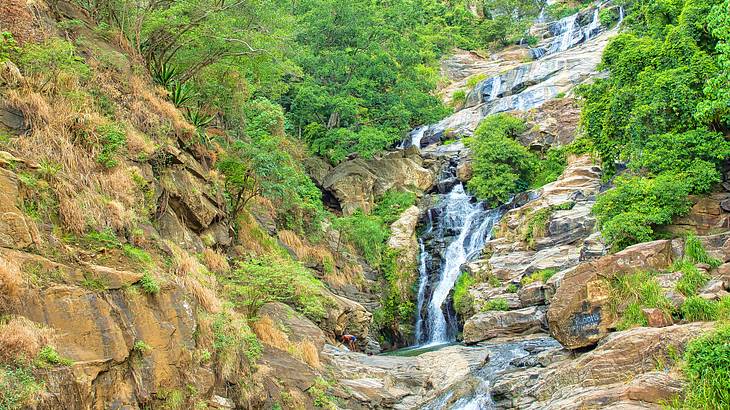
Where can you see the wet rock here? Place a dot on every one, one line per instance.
(488, 325)
(578, 315)
(464, 170)
(593, 247)
(445, 186)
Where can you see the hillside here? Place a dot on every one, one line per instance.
(509, 204)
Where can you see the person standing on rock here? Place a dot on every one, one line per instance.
(350, 340)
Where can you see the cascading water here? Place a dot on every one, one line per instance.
(469, 224)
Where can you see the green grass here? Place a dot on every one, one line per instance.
(697, 309)
(695, 252)
(707, 368)
(637, 291)
(138, 255)
(541, 275)
(692, 278)
(496, 304)
(149, 284)
(94, 283)
(141, 347)
(472, 81)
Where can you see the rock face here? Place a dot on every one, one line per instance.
(578, 315)
(599, 378)
(488, 325)
(357, 183)
(16, 231)
(403, 236)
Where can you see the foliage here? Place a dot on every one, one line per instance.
(49, 356)
(707, 368)
(462, 299)
(50, 58)
(149, 284)
(695, 252)
(542, 275)
(392, 204)
(233, 338)
(18, 386)
(138, 255)
(259, 281)
(630, 293)
(512, 288)
(502, 167)
(496, 304)
(663, 110)
(8, 46)
(112, 138)
(141, 347)
(458, 98)
(367, 232)
(632, 211)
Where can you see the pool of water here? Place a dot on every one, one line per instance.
(418, 350)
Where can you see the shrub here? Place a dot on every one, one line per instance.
(50, 58)
(496, 304)
(458, 98)
(502, 167)
(697, 309)
(390, 206)
(8, 46)
(512, 288)
(462, 299)
(367, 232)
(542, 275)
(48, 355)
(141, 347)
(112, 138)
(18, 387)
(149, 284)
(233, 341)
(707, 367)
(631, 212)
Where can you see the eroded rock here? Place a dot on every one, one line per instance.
(488, 325)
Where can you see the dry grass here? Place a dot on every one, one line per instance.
(293, 242)
(36, 110)
(205, 296)
(139, 144)
(152, 111)
(17, 17)
(11, 284)
(307, 352)
(21, 340)
(215, 261)
(267, 332)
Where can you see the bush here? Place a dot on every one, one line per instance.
(18, 387)
(8, 46)
(233, 341)
(541, 275)
(462, 299)
(707, 367)
(48, 355)
(50, 58)
(631, 212)
(502, 167)
(112, 138)
(259, 281)
(392, 204)
(458, 98)
(367, 232)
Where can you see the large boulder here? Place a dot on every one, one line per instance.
(579, 314)
(403, 236)
(491, 324)
(599, 378)
(359, 182)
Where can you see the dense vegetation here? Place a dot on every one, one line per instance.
(664, 111)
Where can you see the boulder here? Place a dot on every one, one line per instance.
(403, 236)
(599, 378)
(578, 314)
(532, 294)
(191, 198)
(491, 324)
(657, 317)
(358, 182)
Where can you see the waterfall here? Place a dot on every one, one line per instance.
(413, 138)
(422, 278)
(593, 26)
(620, 14)
(470, 224)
